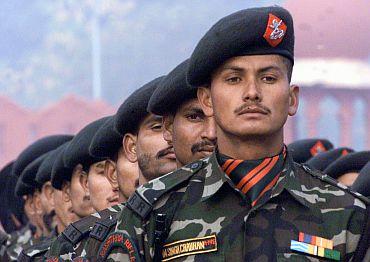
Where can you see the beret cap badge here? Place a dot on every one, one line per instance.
(275, 30)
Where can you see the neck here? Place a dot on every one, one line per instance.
(249, 148)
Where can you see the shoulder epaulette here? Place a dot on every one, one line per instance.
(80, 229)
(333, 182)
(142, 201)
(76, 231)
(102, 227)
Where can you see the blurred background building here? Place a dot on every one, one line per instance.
(65, 63)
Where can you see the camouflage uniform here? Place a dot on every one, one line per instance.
(98, 234)
(71, 241)
(37, 251)
(13, 246)
(205, 212)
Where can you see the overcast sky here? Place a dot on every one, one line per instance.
(45, 48)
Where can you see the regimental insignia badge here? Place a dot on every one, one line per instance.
(344, 152)
(317, 148)
(314, 245)
(189, 247)
(275, 30)
(119, 240)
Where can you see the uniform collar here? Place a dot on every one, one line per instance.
(215, 178)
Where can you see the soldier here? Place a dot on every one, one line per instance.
(12, 215)
(63, 213)
(192, 134)
(304, 149)
(324, 159)
(76, 154)
(121, 173)
(142, 145)
(347, 168)
(29, 154)
(142, 135)
(248, 201)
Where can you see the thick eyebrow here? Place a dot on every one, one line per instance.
(194, 110)
(233, 68)
(268, 68)
(153, 119)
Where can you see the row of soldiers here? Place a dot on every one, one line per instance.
(193, 167)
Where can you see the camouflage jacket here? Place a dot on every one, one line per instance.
(98, 234)
(197, 214)
(37, 251)
(71, 241)
(16, 240)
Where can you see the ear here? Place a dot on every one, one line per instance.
(168, 128)
(293, 100)
(111, 174)
(29, 203)
(48, 191)
(205, 100)
(129, 147)
(37, 202)
(66, 191)
(83, 182)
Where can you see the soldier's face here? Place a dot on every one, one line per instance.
(81, 203)
(101, 192)
(155, 156)
(192, 134)
(127, 175)
(63, 210)
(250, 97)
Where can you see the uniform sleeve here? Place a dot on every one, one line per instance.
(127, 242)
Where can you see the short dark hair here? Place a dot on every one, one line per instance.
(289, 65)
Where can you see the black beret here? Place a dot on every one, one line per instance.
(5, 173)
(77, 151)
(10, 204)
(36, 149)
(134, 109)
(59, 171)
(107, 141)
(22, 189)
(172, 92)
(362, 183)
(302, 150)
(44, 172)
(353, 162)
(29, 173)
(323, 159)
(254, 31)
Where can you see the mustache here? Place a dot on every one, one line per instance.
(164, 152)
(198, 147)
(243, 106)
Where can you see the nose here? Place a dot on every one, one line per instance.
(252, 92)
(209, 130)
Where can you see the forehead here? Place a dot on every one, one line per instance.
(253, 62)
(189, 105)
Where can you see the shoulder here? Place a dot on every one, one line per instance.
(145, 197)
(322, 185)
(36, 250)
